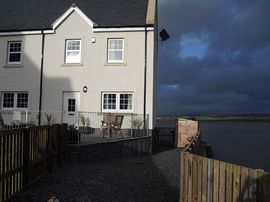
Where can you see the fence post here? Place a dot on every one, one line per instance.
(26, 157)
(64, 139)
(49, 156)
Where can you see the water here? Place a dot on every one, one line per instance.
(242, 143)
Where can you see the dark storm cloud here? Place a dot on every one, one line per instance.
(232, 75)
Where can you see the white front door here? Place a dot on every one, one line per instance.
(71, 105)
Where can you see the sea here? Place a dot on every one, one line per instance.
(246, 143)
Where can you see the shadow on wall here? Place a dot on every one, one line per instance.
(26, 78)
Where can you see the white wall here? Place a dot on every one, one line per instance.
(94, 72)
(24, 77)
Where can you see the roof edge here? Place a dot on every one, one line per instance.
(95, 29)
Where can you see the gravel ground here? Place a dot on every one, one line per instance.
(154, 178)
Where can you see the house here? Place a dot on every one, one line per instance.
(83, 56)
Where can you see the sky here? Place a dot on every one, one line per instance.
(217, 60)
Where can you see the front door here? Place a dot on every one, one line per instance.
(71, 105)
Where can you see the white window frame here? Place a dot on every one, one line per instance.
(15, 102)
(117, 102)
(109, 50)
(68, 51)
(20, 52)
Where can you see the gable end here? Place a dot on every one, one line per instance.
(68, 12)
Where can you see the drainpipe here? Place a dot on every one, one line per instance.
(145, 78)
(41, 77)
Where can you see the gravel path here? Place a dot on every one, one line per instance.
(154, 178)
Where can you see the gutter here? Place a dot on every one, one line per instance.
(41, 77)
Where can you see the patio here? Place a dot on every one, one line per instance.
(84, 127)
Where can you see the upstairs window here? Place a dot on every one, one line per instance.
(73, 51)
(15, 100)
(14, 52)
(115, 50)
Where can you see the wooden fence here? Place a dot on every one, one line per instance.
(203, 179)
(28, 153)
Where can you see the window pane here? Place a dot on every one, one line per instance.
(15, 46)
(73, 57)
(115, 55)
(71, 105)
(8, 100)
(116, 44)
(22, 100)
(126, 101)
(73, 45)
(14, 57)
(109, 101)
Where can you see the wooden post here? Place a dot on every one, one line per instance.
(26, 157)
(49, 156)
(64, 139)
(58, 144)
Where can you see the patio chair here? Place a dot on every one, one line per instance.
(116, 127)
(111, 125)
(106, 125)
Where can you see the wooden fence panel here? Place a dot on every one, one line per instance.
(24, 156)
(182, 175)
(252, 186)
(222, 182)
(194, 179)
(216, 181)
(190, 179)
(236, 182)
(244, 184)
(10, 163)
(203, 179)
(200, 179)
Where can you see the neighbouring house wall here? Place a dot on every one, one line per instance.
(94, 72)
(23, 77)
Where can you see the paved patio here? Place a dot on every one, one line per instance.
(154, 178)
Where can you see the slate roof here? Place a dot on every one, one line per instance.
(26, 15)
